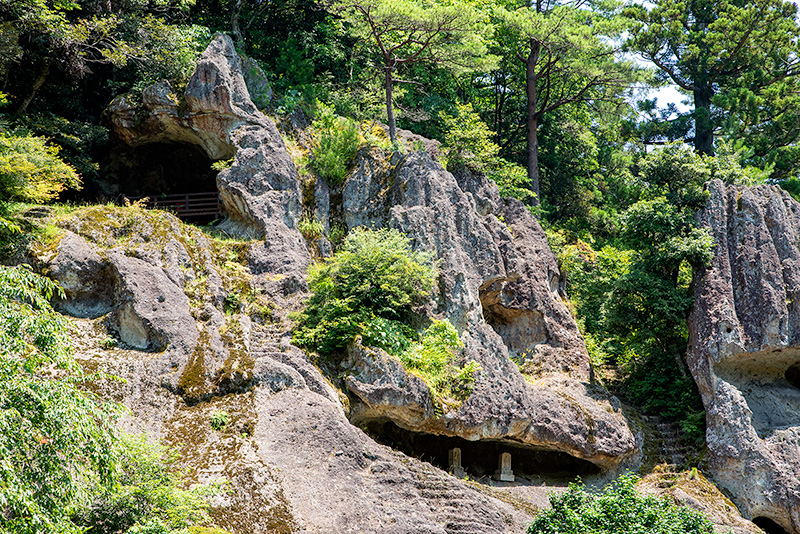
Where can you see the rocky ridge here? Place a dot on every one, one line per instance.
(744, 350)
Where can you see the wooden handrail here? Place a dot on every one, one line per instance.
(184, 205)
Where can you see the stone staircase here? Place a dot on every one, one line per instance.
(668, 446)
(448, 500)
(267, 340)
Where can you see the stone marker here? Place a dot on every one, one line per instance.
(504, 473)
(454, 462)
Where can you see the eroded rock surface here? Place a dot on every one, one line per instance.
(745, 348)
(294, 461)
(260, 192)
(499, 285)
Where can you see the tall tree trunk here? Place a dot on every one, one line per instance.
(532, 119)
(703, 129)
(236, 30)
(37, 84)
(390, 106)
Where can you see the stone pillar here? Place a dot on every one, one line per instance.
(454, 462)
(504, 472)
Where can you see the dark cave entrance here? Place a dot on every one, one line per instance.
(792, 375)
(165, 171)
(480, 458)
(769, 526)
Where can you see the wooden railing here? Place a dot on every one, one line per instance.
(184, 205)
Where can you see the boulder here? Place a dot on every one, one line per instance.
(744, 349)
(84, 277)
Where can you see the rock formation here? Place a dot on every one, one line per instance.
(194, 338)
(260, 192)
(744, 349)
(499, 285)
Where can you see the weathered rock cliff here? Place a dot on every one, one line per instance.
(194, 337)
(744, 348)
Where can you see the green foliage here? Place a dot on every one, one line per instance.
(222, 164)
(311, 228)
(159, 51)
(147, 496)
(435, 357)
(792, 185)
(736, 59)
(53, 435)
(618, 508)
(390, 335)
(30, 169)
(374, 277)
(467, 139)
(80, 141)
(634, 295)
(468, 142)
(336, 142)
(219, 420)
(512, 180)
(403, 33)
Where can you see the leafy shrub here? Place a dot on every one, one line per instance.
(80, 142)
(374, 275)
(619, 508)
(467, 139)
(147, 497)
(468, 142)
(511, 179)
(311, 228)
(53, 435)
(392, 336)
(219, 420)
(373, 134)
(222, 164)
(30, 169)
(336, 143)
(434, 359)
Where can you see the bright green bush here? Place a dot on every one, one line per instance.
(219, 420)
(511, 179)
(53, 434)
(618, 509)
(467, 139)
(311, 228)
(468, 142)
(434, 359)
(30, 169)
(147, 496)
(367, 288)
(336, 143)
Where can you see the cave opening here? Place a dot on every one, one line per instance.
(480, 458)
(769, 526)
(520, 329)
(792, 375)
(166, 171)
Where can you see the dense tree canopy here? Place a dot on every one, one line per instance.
(737, 59)
(404, 32)
(567, 59)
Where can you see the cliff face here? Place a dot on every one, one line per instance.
(744, 348)
(194, 339)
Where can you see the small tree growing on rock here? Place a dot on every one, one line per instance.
(368, 288)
